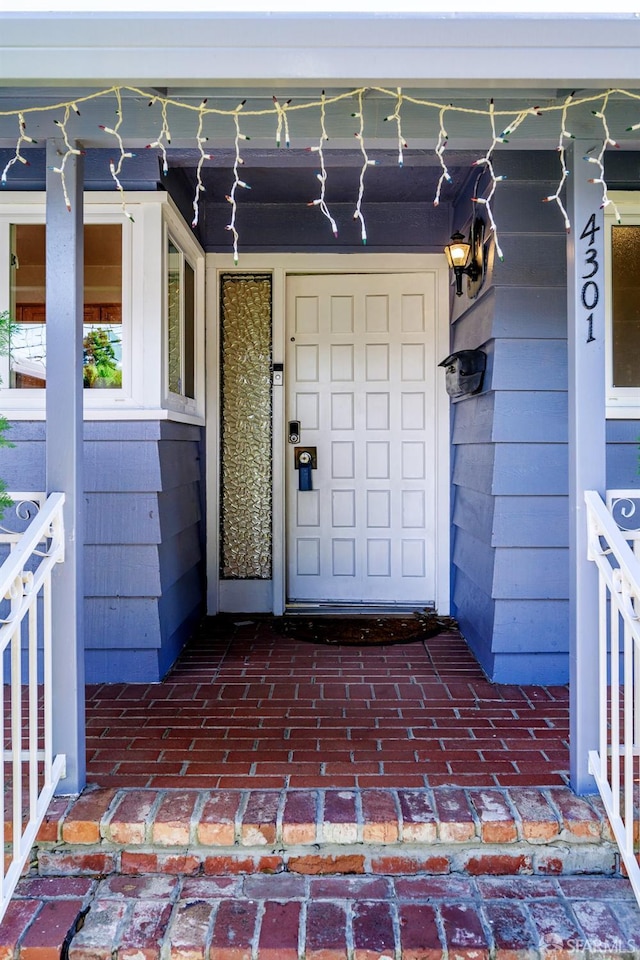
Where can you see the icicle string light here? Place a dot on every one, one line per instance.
(17, 157)
(607, 141)
(487, 163)
(441, 146)
(70, 152)
(402, 144)
(322, 176)
(365, 163)
(164, 137)
(201, 159)
(562, 150)
(281, 110)
(599, 101)
(513, 126)
(116, 168)
(237, 182)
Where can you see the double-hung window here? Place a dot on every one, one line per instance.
(143, 311)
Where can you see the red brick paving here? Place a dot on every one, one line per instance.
(283, 917)
(258, 750)
(246, 706)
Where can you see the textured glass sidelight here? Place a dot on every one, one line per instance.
(173, 318)
(245, 344)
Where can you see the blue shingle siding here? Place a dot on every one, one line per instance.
(144, 553)
(510, 476)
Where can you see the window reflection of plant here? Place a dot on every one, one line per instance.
(100, 368)
(6, 328)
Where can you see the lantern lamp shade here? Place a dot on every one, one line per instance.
(457, 251)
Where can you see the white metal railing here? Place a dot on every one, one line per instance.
(29, 773)
(614, 765)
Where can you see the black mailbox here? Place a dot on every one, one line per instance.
(464, 372)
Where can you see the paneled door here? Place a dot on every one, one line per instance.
(360, 379)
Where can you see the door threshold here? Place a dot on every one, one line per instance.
(327, 608)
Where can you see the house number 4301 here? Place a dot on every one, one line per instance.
(590, 294)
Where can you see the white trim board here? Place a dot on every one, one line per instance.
(311, 48)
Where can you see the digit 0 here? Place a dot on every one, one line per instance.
(590, 295)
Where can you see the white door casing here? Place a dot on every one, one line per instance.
(270, 596)
(360, 370)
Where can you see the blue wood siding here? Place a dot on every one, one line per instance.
(623, 454)
(509, 519)
(144, 577)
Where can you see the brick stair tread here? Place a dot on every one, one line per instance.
(285, 917)
(420, 831)
(291, 817)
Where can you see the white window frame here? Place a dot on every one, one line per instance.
(144, 394)
(623, 403)
(177, 233)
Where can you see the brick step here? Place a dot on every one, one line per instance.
(286, 917)
(388, 832)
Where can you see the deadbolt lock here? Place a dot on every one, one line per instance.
(294, 431)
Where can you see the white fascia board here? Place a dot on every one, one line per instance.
(314, 49)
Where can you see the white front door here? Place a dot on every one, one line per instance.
(361, 372)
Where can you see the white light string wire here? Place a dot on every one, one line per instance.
(366, 162)
(441, 146)
(164, 135)
(116, 168)
(487, 163)
(237, 182)
(562, 151)
(70, 152)
(281, 110)
(322, 175)
(17, 157)
(201, 159)
(402, 144)
(607, 141)
(164, 138)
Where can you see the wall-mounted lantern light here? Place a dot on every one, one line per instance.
(467, 258)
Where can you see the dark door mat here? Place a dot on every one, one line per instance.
(365, 630)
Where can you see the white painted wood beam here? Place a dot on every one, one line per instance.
(587, 452)
(64, 445)
(435, 50)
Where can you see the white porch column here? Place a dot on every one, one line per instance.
(64, 438)
(587, 447)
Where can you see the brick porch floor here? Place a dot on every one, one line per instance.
(278, 800)
(247, 707)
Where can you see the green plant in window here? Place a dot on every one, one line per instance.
(6, 327)
(100, 365)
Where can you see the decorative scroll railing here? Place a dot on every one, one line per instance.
(31, 542)
(614, 546)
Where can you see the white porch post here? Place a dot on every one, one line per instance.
(64, 438)
(587, 448)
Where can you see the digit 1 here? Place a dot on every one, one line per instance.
(591, 337)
